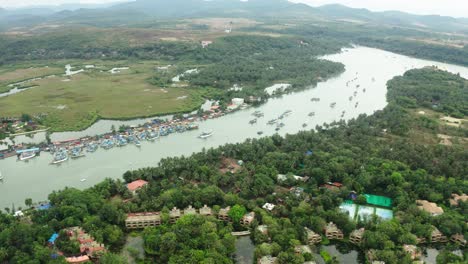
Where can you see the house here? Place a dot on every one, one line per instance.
(413, 251)
(88, 245)
(142, 220)
(302, 249)
(332, 231)
(312, 237)
(174, 215)
(268, 206)
(459, 239)
(206, 211)
(263, 229)
(455, 200)
(284, 177)
(134, 186)
(333, 186)
(438, 237)
(224, 214)
(429, 207)
(247, 219)
(356, 236)
(206, 43)
(297, 191)
(190, 210)
(237, 101)
(80, 259)
(267, 260)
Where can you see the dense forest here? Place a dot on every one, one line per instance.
(372, 154)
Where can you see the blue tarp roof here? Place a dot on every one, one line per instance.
(53, 238)
(44, 207)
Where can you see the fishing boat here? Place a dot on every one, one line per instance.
(356, 105)
(315, 99)
(153, 136)
(1, 176)
(260, 132)
(364, 90)
(332, 105)
(91, 147)
(76, 153)
(60, 156)
(312, 114)
(83, 180)
(355, 93)
(206, 134)
(253, 121)
(27, 155)
(277, 128)
(350, 98)
(304, 125)
(137, 143)
(280, 125)
(107, 144)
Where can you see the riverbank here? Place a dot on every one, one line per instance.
(42, 178)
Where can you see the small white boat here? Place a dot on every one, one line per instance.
(206, 134)
(27, 155)
(83, 180)
(1, 176)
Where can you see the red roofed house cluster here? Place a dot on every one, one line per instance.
(88, 246)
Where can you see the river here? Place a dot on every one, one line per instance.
(372, 67)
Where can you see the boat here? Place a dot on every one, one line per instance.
(206, 134)
(350, 98)
(153, 136)
(107, 144)
(137, 143)
(260, 132)
(280, 125)
(315, 99)
(332, 104)
(253, 121)
(304, 125)
(83, 180)
(76, 153)
(1, 176)
(278, 128)
(59, 157)
(364, 90)
(273, 121)
(258, 114)
(27, 155)
(356, 105)
(92, 147)
(312, 114)
(355, 93)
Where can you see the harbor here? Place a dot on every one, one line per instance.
(83, 172)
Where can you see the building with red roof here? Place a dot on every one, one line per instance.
(134, 186)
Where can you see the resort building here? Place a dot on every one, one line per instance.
(247, 219)
(312, 237)
(429, 207)
(134, 186)
(438, 237)
(268, 206)
(206, 211)
(190, 210)
(356, 236)
(142, 220)
(413, 251)
(456, 199)
(224, 214)
(302, 249)
(459, 239)
(88, 246)
(332, 231)
(174, 215)
(76, 260)
(267, 260)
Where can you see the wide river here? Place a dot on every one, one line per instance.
(373, 68)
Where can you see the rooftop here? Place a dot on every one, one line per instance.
(143, 216)
(429, 207)
(135, 185)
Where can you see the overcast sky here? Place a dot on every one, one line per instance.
(457, 8)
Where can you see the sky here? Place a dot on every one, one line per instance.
(457, 8)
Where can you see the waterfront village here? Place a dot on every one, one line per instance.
(91, 250)
(119, 137)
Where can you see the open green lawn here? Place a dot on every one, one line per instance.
(86, 97)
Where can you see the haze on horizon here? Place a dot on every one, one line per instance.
(455, 8)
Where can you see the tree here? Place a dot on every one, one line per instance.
(110, 258)
(236, 213)
(28, 202)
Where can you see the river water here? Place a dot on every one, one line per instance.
(372, 67)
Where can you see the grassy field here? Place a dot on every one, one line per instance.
(76, 102)
(13, 75)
